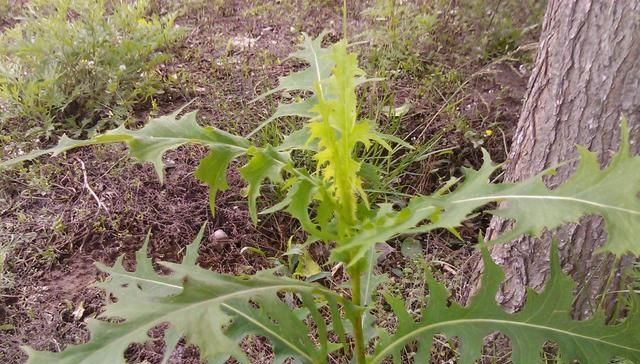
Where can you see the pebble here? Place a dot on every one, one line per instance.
(219, 234)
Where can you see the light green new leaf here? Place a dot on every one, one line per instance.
(212, 311)
(545, 317)
(337, 131)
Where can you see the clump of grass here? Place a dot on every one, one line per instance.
(399, 34)
(5, 7)
(73, 65)
(410, 37)
(499, 27)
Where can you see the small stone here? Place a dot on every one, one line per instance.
(219, 234)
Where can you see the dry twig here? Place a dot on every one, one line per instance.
(86, 185)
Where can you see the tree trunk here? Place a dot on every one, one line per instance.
(586, 76)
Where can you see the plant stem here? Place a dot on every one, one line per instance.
(358, 334)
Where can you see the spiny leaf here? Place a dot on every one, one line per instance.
(298, 140)
(312, 52)
(64, 144)
(301, 199)
(545, 317)
(151, 142)
(212, 311)
(299, 108)
(316, 56)
(212, 171)
(169, 132)
(146, 279)
(386, 224)
(297, 202)
(106, 345)
(265, 163)
(611, 192)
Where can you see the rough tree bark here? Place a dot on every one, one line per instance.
(586, 75)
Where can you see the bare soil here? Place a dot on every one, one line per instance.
(231, 54)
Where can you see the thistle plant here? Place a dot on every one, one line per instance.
(215, 311)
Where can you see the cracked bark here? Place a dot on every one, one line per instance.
(586, 75)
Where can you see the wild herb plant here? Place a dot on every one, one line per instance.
(73, 65)
(309, 322)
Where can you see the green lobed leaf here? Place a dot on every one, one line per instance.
(320, 66)
(611, 192)
(316, 56)
(168, 132)
(385, 225)
(545, 317)
(105, 345)
(265, 163)
(149, 143)
(299, 108)
(212, 170)
(212, 311)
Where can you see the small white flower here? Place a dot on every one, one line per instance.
(91, 63)
(122, 67)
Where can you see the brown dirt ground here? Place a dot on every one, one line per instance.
(59, 232)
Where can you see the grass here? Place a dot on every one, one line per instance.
(76, 65)
(439, 53)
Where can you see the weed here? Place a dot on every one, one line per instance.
(438, 51)
(58, 226)
(307, 321)
(49, 255)
(79, 65)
